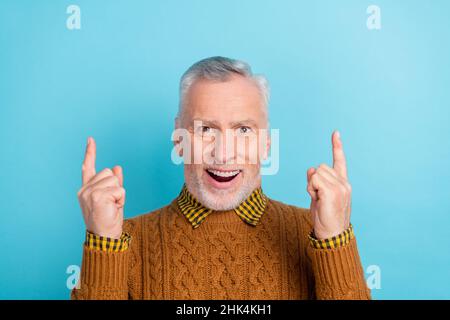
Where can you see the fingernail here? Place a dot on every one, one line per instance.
(338, 134)
(88, 140)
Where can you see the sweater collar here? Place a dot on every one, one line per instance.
(250, 210)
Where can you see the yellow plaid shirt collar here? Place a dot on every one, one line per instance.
(250, 210)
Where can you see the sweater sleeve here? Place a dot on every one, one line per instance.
(103, 276)
(105, 273)
(338, 273)
(335, 266)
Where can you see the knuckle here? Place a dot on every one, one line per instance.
(323, 166)
(349, 187)
(114, 180)
(107, 171)
(81, 195)
(84, 194)
(324, 176)
(344, 191)
(315, 178)
(96, 195)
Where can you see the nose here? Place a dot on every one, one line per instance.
(223, 151)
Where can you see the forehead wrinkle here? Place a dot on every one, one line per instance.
(212, 99)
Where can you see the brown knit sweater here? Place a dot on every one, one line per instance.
(225, 258)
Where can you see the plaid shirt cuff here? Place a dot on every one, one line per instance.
(96, 242)
(335, 242)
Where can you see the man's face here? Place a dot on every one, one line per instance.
(225, 122)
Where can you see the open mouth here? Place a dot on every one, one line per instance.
(223, 176)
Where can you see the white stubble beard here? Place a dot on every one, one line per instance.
(219, 200)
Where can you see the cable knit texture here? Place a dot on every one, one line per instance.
(222, 259)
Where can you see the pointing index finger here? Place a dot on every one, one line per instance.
(88, 169)
(339, 162)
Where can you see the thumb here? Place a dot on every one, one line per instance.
(309, 187)
(118, 193)
(118, 172)
(309, 173)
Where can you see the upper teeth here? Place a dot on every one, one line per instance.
(224, 173)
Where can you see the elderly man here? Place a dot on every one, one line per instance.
(222, 237)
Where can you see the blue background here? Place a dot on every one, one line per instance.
(117, 78)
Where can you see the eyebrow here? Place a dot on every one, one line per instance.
(249, 122)
(214, 123)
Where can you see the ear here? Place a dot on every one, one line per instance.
(176, 124)
(176, 142)
(268, 143)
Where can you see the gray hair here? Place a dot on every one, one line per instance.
(220, 69)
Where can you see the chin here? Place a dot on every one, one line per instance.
(221, 188)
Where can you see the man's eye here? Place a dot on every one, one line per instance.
(244, 130)
(205, 131)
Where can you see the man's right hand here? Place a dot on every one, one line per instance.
(101, 197)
